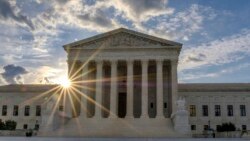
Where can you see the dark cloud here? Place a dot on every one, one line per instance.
(62, 2)
(98, 17)
(140, 9)
(13, 74)
(139, 6)
(6, 12)
(200, 57)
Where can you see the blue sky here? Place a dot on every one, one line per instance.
(215, 35)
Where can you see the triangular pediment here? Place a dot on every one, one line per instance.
(121, 38)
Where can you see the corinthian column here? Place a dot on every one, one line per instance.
(98, 113)
(129, 89)
(159, 89)
(84, 91)
(144, 89)
(174, 85)
(113, 96)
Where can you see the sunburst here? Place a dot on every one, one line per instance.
(65, 82)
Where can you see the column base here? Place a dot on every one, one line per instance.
(82, 116)
(112, 116)
(144, 116)
(129, 117)
(98, 116)
(160, 116)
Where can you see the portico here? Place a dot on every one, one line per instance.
(140, 81)
(124, 76)
(146, 80)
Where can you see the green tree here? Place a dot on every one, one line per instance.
(10, 125)
(2, 125)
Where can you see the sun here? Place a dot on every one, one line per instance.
(64, 82)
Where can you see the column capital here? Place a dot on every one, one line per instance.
(129, 61)
(114, 61)
(144, 62)
(160, 61)
(100, 62)
(174, 61)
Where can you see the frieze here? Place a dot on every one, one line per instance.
(121, 39)
(157, 54)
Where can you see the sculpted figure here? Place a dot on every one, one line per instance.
(181, 104)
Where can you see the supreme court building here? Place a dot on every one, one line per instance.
(124, 84)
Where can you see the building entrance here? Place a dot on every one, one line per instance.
(122, 101)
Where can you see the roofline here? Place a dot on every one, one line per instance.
(86, 40)
(214, 87)
(182, 87)
(27, 87)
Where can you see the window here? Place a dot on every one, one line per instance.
(244, 127)
(25, 126)
(193, 127)
(192, 109)
(217, 110)
(230, 110)
(242, 110)
(27, 111)
(15, 110)
(205, 127)
(61, 108)
(204, 110)
(4, 110)
(38, 110)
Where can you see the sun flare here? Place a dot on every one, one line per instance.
(64, 82)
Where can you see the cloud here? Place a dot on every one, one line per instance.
(13, 74)
(51, 18)
(97, 18)
(218, 52)
(181, 25)
(199, 75)
(143, 10)
(102, 15)
(195, 58)
(44, 74)
(77, 14)
(7, 12)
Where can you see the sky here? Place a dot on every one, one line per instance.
(215, 35)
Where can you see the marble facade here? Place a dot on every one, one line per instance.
(124, 84)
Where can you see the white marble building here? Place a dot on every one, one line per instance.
(124, 84)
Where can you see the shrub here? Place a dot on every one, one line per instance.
(226, 127)
(231, 127)
(2, 125)
(219, 128)
(10, 125)
(7, 125)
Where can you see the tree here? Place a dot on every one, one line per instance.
(2, 125)
(7, 125)
(226, 127)
(10, 125)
